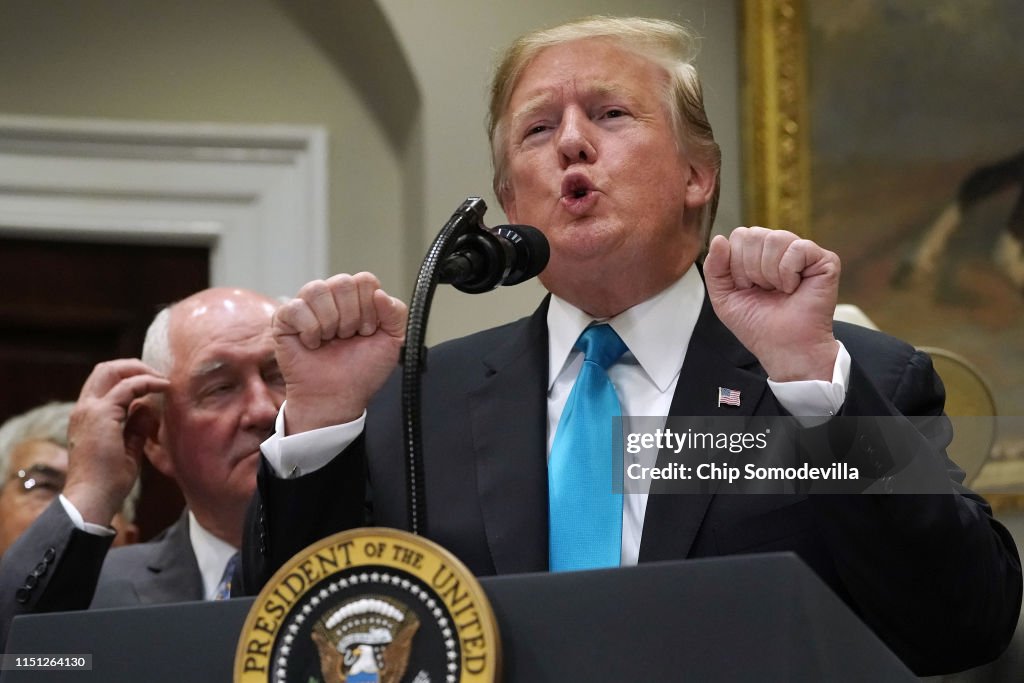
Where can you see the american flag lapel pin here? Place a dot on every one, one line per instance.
(730, 397)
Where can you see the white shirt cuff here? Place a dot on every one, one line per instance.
(299, 454)
(81, 524)
(815, 398)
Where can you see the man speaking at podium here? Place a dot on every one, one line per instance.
(600, 139)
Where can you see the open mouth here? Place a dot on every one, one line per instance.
(576, 187)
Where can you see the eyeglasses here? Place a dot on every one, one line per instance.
(41, 479)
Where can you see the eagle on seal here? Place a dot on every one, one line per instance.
(365, 641)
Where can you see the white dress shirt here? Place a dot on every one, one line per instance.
(212, 555)
(657, 333)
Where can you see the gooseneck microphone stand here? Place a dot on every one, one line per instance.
(469, 216)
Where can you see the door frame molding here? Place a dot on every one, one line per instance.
(256, 195)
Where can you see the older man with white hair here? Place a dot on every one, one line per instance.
(198, 408)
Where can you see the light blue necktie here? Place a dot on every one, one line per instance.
(585, 516)
(224, 587)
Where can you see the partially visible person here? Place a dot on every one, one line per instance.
(197, 405)
(33, 469)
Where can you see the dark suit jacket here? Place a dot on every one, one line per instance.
(75, 570)
(934, 575)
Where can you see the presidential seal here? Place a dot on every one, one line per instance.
(370, 605)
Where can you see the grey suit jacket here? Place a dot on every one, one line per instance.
(56, 567)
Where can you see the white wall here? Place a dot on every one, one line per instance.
(229, 61)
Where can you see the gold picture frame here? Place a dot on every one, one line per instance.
(775, 115)
(908, 168)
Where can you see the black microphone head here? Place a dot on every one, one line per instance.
(477, 262)
(532, 251)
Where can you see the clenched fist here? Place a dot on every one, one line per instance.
(777, 293)
(336, 344)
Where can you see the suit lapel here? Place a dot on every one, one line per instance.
(714, 359)
(509, 425)
(172, 573)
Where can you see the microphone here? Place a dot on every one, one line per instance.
(483, 258)
(474, 258)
